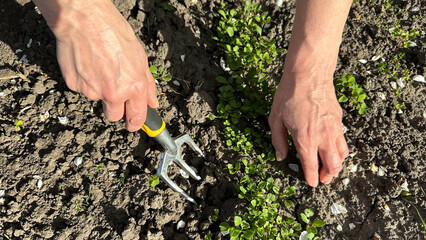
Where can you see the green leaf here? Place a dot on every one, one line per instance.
(233, 12)
(290, 191)
(363, 109)
(221, 79)
(276, 189)
(319, 223)
(249, 234)
(311, 235)
(237, 221)
(153, 69)
(168, 77)
(297, 227)
(154, 180)
(221, 12)
(309, 212)
(304, 218)
(311, 229)
(245, 225)
(230, 31)
(343, 98)
(224, 227)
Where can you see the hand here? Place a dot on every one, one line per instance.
(101, 57)
(305, 105)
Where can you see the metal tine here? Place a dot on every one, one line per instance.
(187, 168)
(162, 173)
(187, 139)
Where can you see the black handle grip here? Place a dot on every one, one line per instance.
(154, 124)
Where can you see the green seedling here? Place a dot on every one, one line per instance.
(160, 75)
(167, 7)
(215, 215)
(18, 124)
(121, 180)
(7, 237)
(83, 205)
(399, 106)
(99, 167)
(154, 180)
(349, 91)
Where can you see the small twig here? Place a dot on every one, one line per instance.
(9, 77)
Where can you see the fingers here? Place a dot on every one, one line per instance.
(279, 137)
(342, 147)
(152, 96)
(309, 159)
(114, 111)
(331, 163)
(136, 108)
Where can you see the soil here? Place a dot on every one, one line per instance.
(42, 184)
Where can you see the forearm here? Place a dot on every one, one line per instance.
(63, 16)
(316, 35)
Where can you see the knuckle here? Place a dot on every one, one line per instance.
(333, 170)
(310, 167)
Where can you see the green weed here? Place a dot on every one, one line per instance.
(154, 180)
(349, 91)
(160, 75)
(18, 124)
(82, 205)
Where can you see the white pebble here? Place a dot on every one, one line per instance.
(400, 82)
(351, 226)
(346, 181)
(2, 94)
(339, 228)
(419, 78)
(352, 154)
(63, 120)
(182, 57)
(183, 173)
(175, 82)
(304, 235)
(29, 43)
(413, 44)
(45, 116)
(338, 209)
(404, 186)
(267, 25)
(222, 64)
(344, 128)
(375, 58)
(293, 167)
(180, 224)
(2, 193)
(415, 9)
(39, 181)
(393, 85)
(2, 202)
(78, 161)
(377, 236)
(381, 95)
(368, 72)
(381, 172)
(363, 61)
(391, 30)
(197, 33)
(12, 81)
(210, 15)
(400, 111)
(353, 167)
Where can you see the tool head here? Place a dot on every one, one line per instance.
(171, 154)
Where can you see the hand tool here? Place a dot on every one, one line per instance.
(155, 127)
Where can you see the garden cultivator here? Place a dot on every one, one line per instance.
(155, 127)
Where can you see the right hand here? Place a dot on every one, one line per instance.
(101, 57)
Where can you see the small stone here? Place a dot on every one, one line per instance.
(391, 30)
(352, 154)
(373, 168)
(363, 61)
(183, 173)
(382, 95)
(222, 64)
(338, 209)
(351, 226)
(293, 167)
(419, 78)
(63, 120)
(18, 50)
(279, 3)
(415, 9)
(404, 186)
(377, 236)
(39, 181)
(346, 181)
(2, 193)
(375, 58)
(400, 82)
(29, 43)
(24, 59)
(2, 201)
(304, 235)
(353, 167)
(339, 227)
(175, 82)
(344, 128)
(180, 224)
(413, 44)
(45, 116)
(78, 161)
(381, 172)
(368, 72)
(393, 85)
(386, 207)
(2, 94)
(182, 57)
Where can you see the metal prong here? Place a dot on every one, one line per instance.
(187, 139)
(162, 173)
(187, 168)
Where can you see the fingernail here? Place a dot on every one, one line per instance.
(280, 156)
